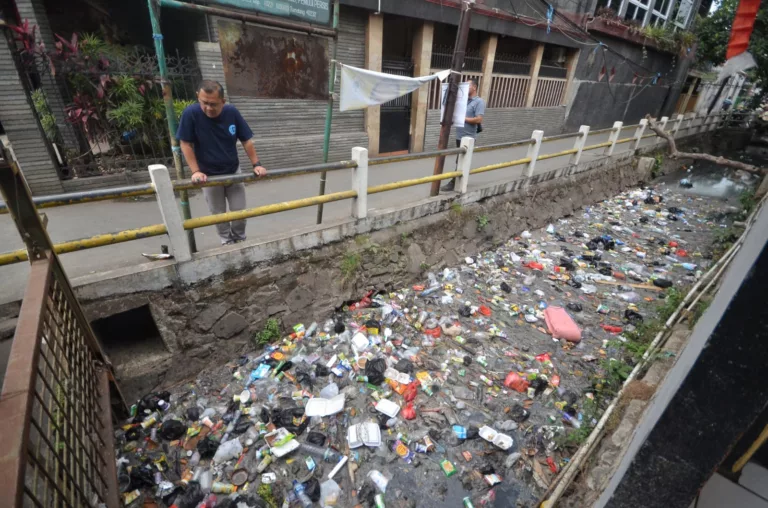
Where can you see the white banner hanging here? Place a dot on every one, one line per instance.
(460, 112)
(361, 88)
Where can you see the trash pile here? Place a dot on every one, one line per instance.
(457, 390)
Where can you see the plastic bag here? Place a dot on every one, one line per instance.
(515, 382)
(662, 283)
(316, 438)
(408, 412)
(411, 391)
(330, 492)
(172, 430)
(191, 497)
(227, 451)
(312, 489)
(374, 369)
(207, 447)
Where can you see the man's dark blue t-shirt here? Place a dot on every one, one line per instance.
(215, 139)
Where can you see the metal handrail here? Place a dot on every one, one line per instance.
(375, 161)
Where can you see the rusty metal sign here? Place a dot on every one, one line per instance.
(265, 63)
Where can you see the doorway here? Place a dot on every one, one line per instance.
(395, 129)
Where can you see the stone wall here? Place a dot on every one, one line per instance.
(213, 321)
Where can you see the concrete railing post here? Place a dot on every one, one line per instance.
(688, 125)
(678, 122)
(639, 134)
(663, 125)
(581, 140)
(360, 183)
(465, 162)
(169, 210)
(613, 138)
(533, 152)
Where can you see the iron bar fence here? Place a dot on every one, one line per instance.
(101, 106)
(442, 56)
(507, 63)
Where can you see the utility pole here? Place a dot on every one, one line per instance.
(457, 65)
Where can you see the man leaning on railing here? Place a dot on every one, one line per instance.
(208, 133)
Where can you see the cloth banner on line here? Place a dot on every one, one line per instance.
(361, 88)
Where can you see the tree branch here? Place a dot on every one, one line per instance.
(675, 154)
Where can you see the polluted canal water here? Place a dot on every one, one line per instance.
(471, 388)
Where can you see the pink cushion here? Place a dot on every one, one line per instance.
(561, 325)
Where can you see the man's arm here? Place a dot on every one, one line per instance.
(250, 150)
(474, 120)
(188, 149)
(479, 112)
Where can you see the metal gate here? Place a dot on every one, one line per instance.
(58, 390)
(395, 127)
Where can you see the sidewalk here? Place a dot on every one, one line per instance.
(85, 220)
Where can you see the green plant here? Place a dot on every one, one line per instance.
(748, 201)
(698, 310)
(456, 208)
(362, 239)
(424, 266)
(614, 373)
(658, 160)
(47, 120)
(268, 334)
(180, 105)
(349, 264)
(482, 222)
(673, 298)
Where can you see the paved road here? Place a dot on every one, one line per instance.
(85, 220)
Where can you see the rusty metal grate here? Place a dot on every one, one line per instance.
(55, 405)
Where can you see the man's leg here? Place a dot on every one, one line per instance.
(217, 203)
(236, 199)
(451, 185)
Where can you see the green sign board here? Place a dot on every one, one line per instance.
(311, 11)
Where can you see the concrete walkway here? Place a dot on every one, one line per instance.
(85, 220)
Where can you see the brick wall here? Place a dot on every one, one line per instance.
(503, 124)
(290, 132)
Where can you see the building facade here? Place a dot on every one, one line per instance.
(543, 66)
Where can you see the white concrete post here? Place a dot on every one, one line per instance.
(639, 134)
(360, 183)
(613, 138)
(169, 210)
(465, 162)
(678, 122)
(581, 140)
(533, 152)
(688, 125)
(663, 125)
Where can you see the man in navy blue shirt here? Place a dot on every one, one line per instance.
(208, 133)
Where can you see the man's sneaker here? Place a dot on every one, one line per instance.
(451, 185)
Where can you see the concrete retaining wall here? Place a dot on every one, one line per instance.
(208, 309)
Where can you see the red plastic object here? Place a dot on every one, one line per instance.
(551, 464)
(411, 391)
(612, 329)
(515, 382)
(434, 332)
(484, 310)
(673, 244)
(408, 412)
(362, 304)
(555, 381)
(533, 265)
(741, 30)
(543, 358)
(561, 325)
(681, 253)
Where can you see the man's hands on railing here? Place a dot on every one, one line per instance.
(259, 170)
(199, 177)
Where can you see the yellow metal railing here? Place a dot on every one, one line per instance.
(209, 220)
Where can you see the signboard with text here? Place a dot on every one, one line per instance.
(309, 11)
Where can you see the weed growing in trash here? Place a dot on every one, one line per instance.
(269, 334)
(658, 160)
(457, 209)
(672, 300)
(748, 202)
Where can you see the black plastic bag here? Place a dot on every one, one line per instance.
(465, 311)
(574, 307)
(242, 426)
(662, 283)
(191, 497)
(133, 434)
(633, 317)
(339, 327)
(374, 369)
(285, 418)
(505, 287)
(172, 430)
(404, 365)
(312, 489)
(518, 413)
(473, 432)
(150, 402)
(207, 448)
(321, 370)
(316, 438)
(141, 477)
(193, 413)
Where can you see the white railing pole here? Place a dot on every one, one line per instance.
(663, 126)
(581, 140)
(639, 134)
(465, 162)
(688, 125)
(169, 210)
(678, 122)
(533, 152)
(615, 132)
(360, 183)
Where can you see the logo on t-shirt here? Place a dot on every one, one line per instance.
(232, 129)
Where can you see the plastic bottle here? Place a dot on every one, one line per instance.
(326, 453)
(304, 499)
(629, 297)
(206, 480)
(194, 459)
(311, 330)
(228, 450)
(379, 480)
